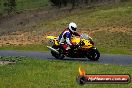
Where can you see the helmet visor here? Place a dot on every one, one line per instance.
(74, 29)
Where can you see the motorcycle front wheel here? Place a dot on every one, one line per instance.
(57, 56)
(93, 54)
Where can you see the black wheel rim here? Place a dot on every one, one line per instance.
(93, 55)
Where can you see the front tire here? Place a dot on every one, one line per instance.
(57, 56)
(93, 54)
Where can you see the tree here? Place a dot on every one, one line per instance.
(75, 3)
(10, 6)
(57, 3)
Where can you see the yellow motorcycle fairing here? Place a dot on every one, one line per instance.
(74, 40)
(87, 43)
(53, 39)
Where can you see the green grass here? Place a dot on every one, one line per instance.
(31, 4)
(115, 16)
(33, 73)
(25, 47)
(26, 4)
(95, 18)
(1, 6)
(104, 16)
(124, 51)
(115, 43)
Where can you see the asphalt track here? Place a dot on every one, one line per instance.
(105, 58)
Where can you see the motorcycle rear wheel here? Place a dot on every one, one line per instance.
(57, 56)
(93, 54)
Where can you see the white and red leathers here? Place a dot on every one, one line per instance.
(65, 38)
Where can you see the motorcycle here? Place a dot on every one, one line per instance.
(84, 47)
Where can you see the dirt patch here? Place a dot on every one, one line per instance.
(20, 38)
(130, 50)
(35, 37)
(7, 62)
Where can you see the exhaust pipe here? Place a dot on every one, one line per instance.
(52, 49)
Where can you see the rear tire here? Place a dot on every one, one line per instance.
(93, 54)
(57, 56)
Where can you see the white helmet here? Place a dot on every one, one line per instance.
(72, 27)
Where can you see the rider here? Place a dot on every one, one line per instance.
(65, 36)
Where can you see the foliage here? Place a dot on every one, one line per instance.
(60, 3)
(10, 6)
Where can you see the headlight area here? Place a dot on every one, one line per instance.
(51, 40)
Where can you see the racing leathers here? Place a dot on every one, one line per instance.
(65, 38)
